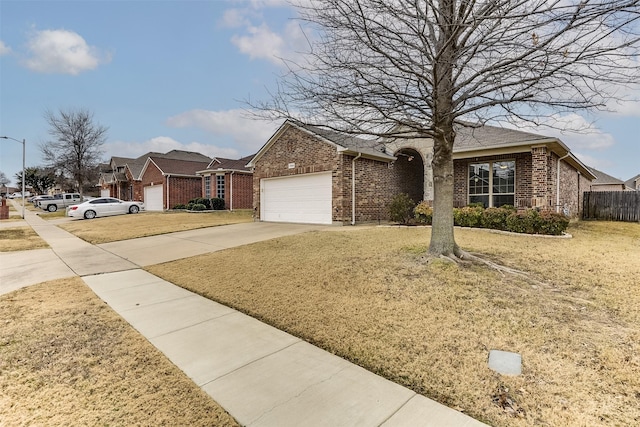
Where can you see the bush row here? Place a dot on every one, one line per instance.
(202, 204)
(404, 210)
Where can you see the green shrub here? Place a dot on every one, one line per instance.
(197, 207)
(201, 201)
(495, 218)
(217, 204)
(401, 208)
(469, 216)
(423, 213)
(553, 223)
(534, 222)
(180, 206)
(524, 222)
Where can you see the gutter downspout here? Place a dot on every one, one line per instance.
(168, 176)
(231, 191)
(353, 188)
(558, 182)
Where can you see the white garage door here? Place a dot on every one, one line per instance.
(301, 198)
(153, 198)
(105, 193)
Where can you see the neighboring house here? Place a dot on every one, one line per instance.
(633, 183)
(123, 176)
(306, 174)
(604, 182)
(168, 182)
(231, 180)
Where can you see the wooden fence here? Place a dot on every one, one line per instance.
(612, 205)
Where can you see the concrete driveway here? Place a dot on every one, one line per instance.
(170, 247)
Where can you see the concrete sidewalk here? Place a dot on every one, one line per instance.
(260, 375)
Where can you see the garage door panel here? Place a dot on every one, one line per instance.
(153, 198)
(300, 198)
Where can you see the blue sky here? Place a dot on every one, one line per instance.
(168, 75)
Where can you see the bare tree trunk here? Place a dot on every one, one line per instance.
(442, 238)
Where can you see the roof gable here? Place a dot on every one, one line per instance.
(342, 142)
(174, 167)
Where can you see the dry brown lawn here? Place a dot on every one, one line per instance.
(123, 227)
(66, 359)
(20, 239)
(371, 297)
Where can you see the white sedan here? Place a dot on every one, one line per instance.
(104, 206)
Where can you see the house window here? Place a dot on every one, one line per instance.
(207, 186)
(492, 183)
(220, 186)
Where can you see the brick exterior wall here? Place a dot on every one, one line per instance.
(242, 191)
(181, 190)
(376, 185)
(572, 188)
(152, 175)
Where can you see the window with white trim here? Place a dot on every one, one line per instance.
(207, 186)
(492, 183)
(220, 186)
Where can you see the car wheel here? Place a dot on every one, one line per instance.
(90, 214)
(134, 209)
(52, 208)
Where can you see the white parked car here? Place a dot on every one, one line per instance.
(104, 206)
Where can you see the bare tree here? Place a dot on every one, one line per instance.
(3, 179)
(421, 68)
(76, 147)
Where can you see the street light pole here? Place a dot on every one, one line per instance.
(24, 145)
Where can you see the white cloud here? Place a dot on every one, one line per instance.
(4, 49)
(63, 52)
(260, 42)
(255, 38)
(163, 144)
(573, 129)
(248, 133)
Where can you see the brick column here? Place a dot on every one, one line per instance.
(539, 184)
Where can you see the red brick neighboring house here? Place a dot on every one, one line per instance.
(309, 174)
(122, 178)
(231, 180)
(169, 182)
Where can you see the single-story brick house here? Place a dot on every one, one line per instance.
(313, 175)
(231, 180)
(170, 182)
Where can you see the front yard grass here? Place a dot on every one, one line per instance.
(20, 239)
(371, 297)
(123, 227)
(67, 359)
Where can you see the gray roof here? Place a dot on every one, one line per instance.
(136, 165)
(230, 164)
(472, 137)
(603, 178)
(350, 143)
